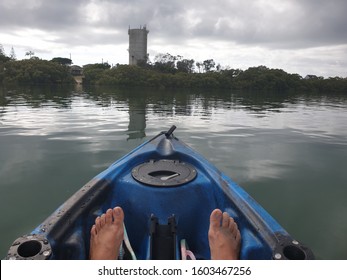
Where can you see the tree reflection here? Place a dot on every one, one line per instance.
(162, 104)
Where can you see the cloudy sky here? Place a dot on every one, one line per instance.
(299, 36)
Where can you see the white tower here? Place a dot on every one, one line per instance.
(137, 45)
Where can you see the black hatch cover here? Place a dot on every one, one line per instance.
(164, 173)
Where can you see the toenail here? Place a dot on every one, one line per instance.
(117, 211)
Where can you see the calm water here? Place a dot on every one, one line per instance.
(288, 151)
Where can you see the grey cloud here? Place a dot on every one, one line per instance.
(275, 24)
(44, 15)
(295, 25)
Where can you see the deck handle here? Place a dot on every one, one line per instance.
(170, 131)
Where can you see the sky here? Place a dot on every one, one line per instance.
(298, 36)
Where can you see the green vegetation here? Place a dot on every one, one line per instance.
(254, 78)
(62, 60)
(34, 71)
(3, 56)
(167, 71)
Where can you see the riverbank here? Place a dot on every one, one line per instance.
(37, 71)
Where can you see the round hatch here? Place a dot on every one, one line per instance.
(164, 173)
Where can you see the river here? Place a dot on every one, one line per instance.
(289, 151)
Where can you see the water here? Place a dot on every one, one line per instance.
(288, 151)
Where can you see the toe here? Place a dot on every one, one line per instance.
(118, 216)
(93, 230)
(97, 224)
(215, 219)
(108, 216)
(102, 220)
(226, 220)
(233, 227)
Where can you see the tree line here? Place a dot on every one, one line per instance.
(33, 70)
(166, 71)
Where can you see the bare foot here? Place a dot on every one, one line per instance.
(224, 237)
(107, 235)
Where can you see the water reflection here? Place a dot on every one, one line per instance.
(223, 120)
(137, 119)
(223, 109)
(36, 97)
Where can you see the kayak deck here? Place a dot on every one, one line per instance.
(146, 185)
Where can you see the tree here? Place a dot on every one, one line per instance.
(62, 61)
(185, 65)
(165, 63)
(199, 65)
(32, 71)
(13, 54)
(2, 51)
(29, 53)
(103, 66)
(3, 56)
(208, 64)
(219, 67)
(143, 63)
(94, 72)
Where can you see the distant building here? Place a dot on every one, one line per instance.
(137, 45)
(310, 77)
(313, 77)
(76, 70)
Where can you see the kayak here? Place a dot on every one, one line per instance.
(167, 191)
